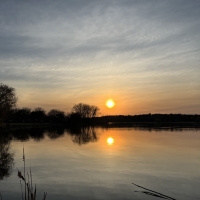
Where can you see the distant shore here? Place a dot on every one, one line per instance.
(160, 125)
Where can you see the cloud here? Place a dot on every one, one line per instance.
(86, 44)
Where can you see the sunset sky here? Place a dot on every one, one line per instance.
(145, 55)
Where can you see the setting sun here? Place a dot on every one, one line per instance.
(110, 140)
(110, 103)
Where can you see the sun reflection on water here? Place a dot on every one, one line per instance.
(110, 140)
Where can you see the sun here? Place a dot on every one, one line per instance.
(110, 103)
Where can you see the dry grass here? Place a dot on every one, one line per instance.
(153, 193)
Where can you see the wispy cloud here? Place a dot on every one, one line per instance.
(121, 46)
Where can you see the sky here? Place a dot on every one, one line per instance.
(143, 54)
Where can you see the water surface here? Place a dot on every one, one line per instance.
(81, 164)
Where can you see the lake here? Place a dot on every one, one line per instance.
(102, 163)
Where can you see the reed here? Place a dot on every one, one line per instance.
(29, 192)
(153, 193)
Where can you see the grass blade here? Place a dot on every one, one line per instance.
(154, 191)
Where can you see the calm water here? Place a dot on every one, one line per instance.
(81, 164)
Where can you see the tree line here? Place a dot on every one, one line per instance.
(80, 113)
(10, 113)
(151, 118)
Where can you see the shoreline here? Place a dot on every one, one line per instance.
(153, 125)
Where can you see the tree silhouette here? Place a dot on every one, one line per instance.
(20, 115)
(6, 158)
(56, 116)
(85, 110)
(8, 100)
(83, 135)
(55, 133)
(38, 115)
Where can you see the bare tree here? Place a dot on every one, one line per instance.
(8, 99)
(85, 110)
(94, 111)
